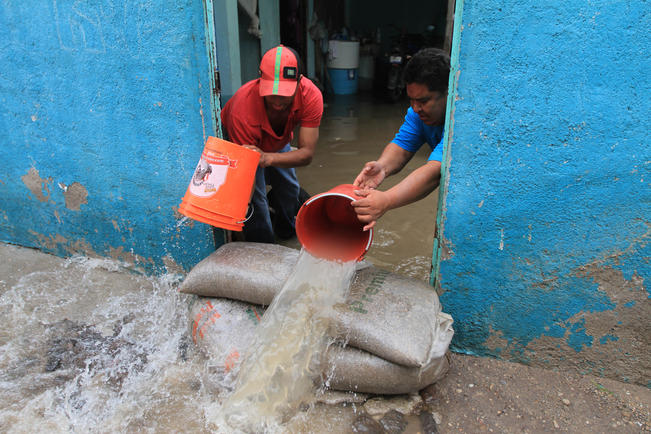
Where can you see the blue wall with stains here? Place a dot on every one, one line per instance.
(105, 109)
(544, 224)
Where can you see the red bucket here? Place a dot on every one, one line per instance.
(221, 185)
(327, 226)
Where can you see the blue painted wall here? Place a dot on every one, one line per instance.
(105, 110)
(544, 224)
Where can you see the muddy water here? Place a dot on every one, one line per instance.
(282, 369)
(354, 130)
(87, 346)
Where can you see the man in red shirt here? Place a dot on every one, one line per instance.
(262, 116)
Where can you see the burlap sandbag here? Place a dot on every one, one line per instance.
(252, 272)
(224, 329)
(394, 317)
(358, 371)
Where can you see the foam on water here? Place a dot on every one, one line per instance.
(282, 370)
(90, 347)
(84, 348)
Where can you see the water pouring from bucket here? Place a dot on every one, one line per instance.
(328, 228)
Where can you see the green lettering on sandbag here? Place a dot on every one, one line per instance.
(357, 306)
(372, 289)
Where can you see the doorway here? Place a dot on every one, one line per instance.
(356, 127)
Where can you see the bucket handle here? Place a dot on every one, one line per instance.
(247, 217)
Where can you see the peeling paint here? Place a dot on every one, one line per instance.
(134, 261)
(182, 220)
(446, 250)
(75, 195)
(553, 268)
(66, 124)
(172, 266)
(620, 326)
(58, 242)
(496, 342)
(37, 185)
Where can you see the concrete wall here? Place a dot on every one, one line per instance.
(105, 109)
(544, 225)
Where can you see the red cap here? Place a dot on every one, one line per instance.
(279, 72)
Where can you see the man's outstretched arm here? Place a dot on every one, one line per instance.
(415, 186)
(392, 160)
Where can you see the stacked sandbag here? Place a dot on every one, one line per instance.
(394, 317)
(253, 272)
(390, 323)
(224, 330)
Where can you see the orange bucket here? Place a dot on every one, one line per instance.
(230, 225)
(327, 226)
(210, 218)
(221, 185)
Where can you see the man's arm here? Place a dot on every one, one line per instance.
(414, 187)
(302, 156)
(392, 160)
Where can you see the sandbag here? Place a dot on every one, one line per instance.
(245, 271)
(394, 317)
(350, 368)
(224, 329)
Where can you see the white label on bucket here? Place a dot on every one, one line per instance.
(210, 173)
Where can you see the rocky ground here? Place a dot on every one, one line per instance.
(487, 395)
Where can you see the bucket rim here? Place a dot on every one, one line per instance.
(230, 225)
(330, 193)
(208, 211)
(327, 193)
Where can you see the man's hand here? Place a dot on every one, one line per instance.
(265, 157)
(372, 206)
(371, 176)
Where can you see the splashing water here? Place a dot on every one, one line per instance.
(88, 347)
(282, 369)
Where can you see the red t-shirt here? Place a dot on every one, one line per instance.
(245, 120)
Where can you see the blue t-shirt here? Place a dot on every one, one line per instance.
(413, 133)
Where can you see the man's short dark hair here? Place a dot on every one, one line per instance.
(430, 67)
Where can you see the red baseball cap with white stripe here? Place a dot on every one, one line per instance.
(279, 72)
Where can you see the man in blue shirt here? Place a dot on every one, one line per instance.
(426, 76)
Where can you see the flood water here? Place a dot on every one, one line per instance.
(89, 347)
(355, 129)
(282, 368)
